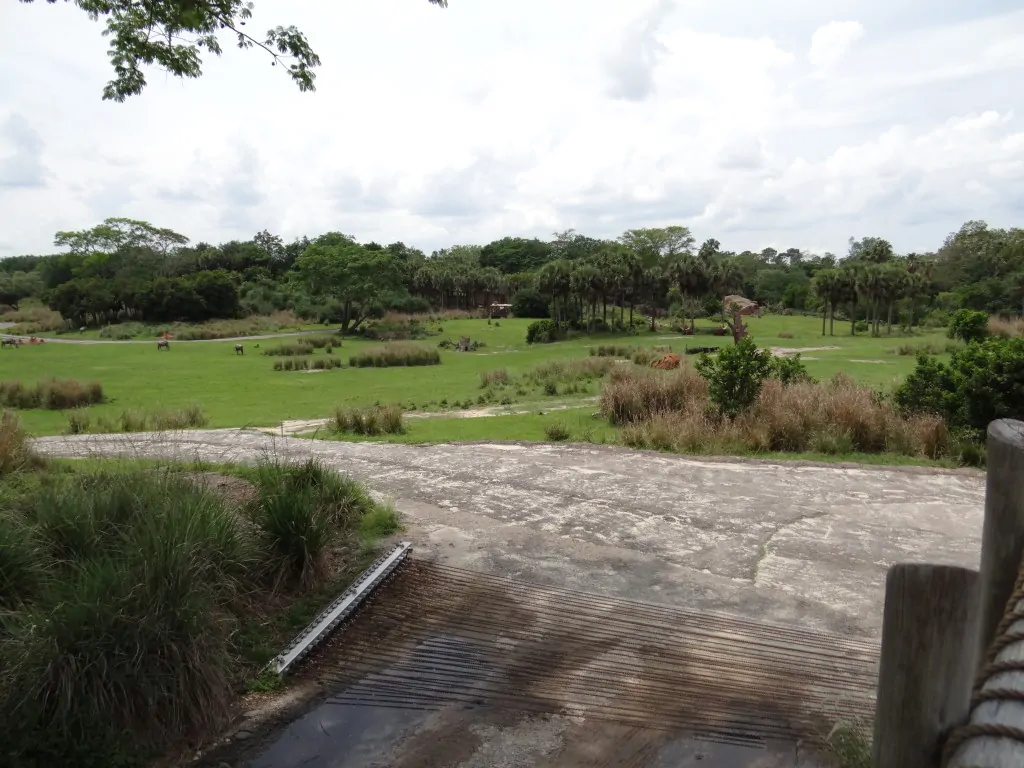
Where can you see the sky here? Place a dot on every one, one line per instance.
(782, 124)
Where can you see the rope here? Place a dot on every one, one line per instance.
(992, 667)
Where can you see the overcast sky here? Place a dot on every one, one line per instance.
(790, 123)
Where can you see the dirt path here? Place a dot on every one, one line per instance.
(790, 543)
(62, 340)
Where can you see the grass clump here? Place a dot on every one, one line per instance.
(164, 420)
(15, 454)
(556, 431)
(498, 378)
(52, 394)
(301, 512)
(290, 349)
(325, 363)
(395, 355)
(375, 420)
(127, 593)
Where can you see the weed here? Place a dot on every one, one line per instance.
(15, 454)
(268, 681)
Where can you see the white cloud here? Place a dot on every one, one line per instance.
(462, 125)
(831, 42)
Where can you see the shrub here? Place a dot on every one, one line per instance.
(395, 355)
(917, 349)
(166, 419)
(789, 370)
(529, 303)
(613, 350)
(556, 431)
(982, 382)
(53, 394)
(376, 420)
(785, 335)
(542, 332)
(735, 375)
(968, 325)
(326, 363)
(499, 378)
(862, 326)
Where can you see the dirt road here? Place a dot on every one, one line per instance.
(803, 545)
(451, 668)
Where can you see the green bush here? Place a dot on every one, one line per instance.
(529, 303)
(291, 349)
(556, 431)
(735, 375)
(982, 382)
(542, 332)
(968, 325)
(790, 370)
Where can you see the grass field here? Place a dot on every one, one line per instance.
(244, 390)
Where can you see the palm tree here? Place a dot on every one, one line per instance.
(846, 292)
(687, 273)
(895, 287)
(554, 279)
(871, 285)
(823, 286)
(725, 278)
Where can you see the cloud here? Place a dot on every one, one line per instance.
(631, 68)
(830, 43)
(485, 120)
(21, 166)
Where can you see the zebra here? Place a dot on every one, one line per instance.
(239, 349)
(163, 344)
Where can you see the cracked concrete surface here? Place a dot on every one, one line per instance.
(792, 543)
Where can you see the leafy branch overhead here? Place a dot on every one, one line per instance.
(172, 34)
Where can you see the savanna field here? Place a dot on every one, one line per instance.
(244, 390)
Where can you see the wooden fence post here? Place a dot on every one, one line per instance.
(927, 666)
(1002, 539)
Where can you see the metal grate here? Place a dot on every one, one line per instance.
(438, 637)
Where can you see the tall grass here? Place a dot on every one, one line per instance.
(163, 420)
(499, 378)
(52, 394)
(1008, 327)
(125, 629)
(301, 511)
(32, 320)
(15, 454)
(673, 412)
(375, 420)
(395, 355)
(290, 349)
(123, 592)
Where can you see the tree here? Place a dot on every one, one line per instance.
(115, 233)
(825, 286)
(515, 254)
(172, 34)
(350, 274)
(656, 243)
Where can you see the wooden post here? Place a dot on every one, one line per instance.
(1002, 540)
(929, 629)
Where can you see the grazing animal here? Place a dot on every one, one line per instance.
(163, 344)
(239, 349)
(10, 343)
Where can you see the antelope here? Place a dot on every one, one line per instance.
(239, 349)
(163, 344)
(10, 342)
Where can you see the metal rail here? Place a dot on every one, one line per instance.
(339, 609)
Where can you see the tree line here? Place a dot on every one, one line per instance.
(125, 269)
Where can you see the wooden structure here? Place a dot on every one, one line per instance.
(951, 679)
(500, 310)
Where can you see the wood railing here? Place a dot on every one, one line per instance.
(951, 677)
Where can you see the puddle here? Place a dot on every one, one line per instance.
(349, 730)
(338, 736)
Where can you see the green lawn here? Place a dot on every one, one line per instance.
(245, 390)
